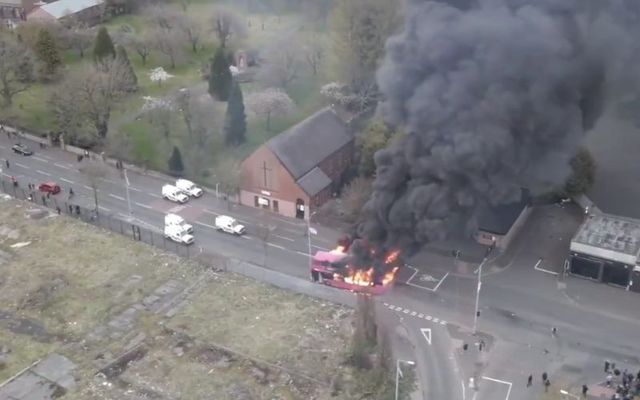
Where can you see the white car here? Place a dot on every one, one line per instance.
(178, 235)
(189, 188)
(174, 194)
(176, 220)
(228, 224)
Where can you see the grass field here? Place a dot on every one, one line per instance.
(65, 282)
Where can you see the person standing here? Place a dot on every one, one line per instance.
(606, 365)
(529, 380)
(547, 383)
(544, 377)
(585, 389)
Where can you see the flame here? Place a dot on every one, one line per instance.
(389, 276)
(358, 277)
(338, 250)
(392, 257)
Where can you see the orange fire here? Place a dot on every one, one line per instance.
(362, 277)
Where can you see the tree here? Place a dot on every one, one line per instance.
(192, 29)
(227, 25)
(103, 47)
(141, 44)
(270, 103)
(282, 64)
(227, 174)
(168, 43)
(131, 80)
(80, 39)
(360, 30)
(159, 111)
(374, 138)
(314, 52)
(354, 197)
(94, 91)
(220, 78)
(159, 75)
(95, 171)
(235, 122)
(583, 174)
(16, 69)
(175, 162)
(47, 52)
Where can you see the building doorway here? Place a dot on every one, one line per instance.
(585, 267)
(616, 274)
(300, 209)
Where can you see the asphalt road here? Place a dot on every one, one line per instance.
(518, 305)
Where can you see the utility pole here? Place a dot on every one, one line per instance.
(310, 231)
(399, 374)
(479, 271)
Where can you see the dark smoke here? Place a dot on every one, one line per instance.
(493, 96)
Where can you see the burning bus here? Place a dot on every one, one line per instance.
(337, 268)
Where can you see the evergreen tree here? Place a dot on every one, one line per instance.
(131, 80)
(176, 166)
(235, 121)
(103, 46)
(47, 52)
(220, 77)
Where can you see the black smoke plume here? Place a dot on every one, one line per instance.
(493, 96)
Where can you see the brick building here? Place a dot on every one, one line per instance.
(12, 12)
(90, 12)
(300, 168)
(499, 225)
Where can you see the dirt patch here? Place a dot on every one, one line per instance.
(44, 295)
(24, 326)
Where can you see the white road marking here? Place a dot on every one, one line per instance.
(406, 311)
(442, 322)
(509, 384)
(39, 159)
(246, 237)
(428, 317)
(21, 165)
(88, 187)
(104, 208)
(116, 197)
(61, 166)
(414, 313)
(302, 254)
(276, 246)
(67, 180)
(424, 287)
(284, 237)
(155, 195)
(436, 320)
(43, 173)
(210, 212)
(537, 268)
(321, 248)
(426, 332)
(420, 315)
(134, 189)
(142, 205)
(176, 209)
(205, 225)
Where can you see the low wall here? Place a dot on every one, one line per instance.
(22, 134)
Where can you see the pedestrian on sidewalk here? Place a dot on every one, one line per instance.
(481, 345)
(554, 331)
(58, 210)
(544, 377)
(6, 163)
(529, 380)
(606, 365)
(585, 389)
(547, 383)
(609, 379)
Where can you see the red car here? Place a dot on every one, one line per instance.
(49, 187)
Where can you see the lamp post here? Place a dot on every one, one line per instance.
(310, 231)
(479, 271)
(565, 393)
(399, 374)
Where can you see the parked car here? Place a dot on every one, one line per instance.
(172, 193)
(49, 187)
(176, 220)
(19, 148)
(228, 224)
(189, 188)
(177, 234)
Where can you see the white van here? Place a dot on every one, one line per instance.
(176, 220)
(172, 193)
(176, 234)
(228, 224)
(189, 188)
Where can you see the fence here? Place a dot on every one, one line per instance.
(73, 207)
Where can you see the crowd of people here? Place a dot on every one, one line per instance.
(625, 383)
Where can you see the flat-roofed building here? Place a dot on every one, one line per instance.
(606, 249)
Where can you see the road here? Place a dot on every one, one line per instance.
(519, 305)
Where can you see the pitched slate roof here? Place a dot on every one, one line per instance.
(305, 145)
(500, 219)
(314, 181)
(61, 8)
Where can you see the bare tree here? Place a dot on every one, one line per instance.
(163, 18)
(168, 43)
(81, 40)
(227, 174)
(354, 197)
(16, 69)
(270, 103)
(95, 171)
(192, 29)
(95, 91)
(227, 25)
(141, 44)
(282, 64)
(314, 52)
